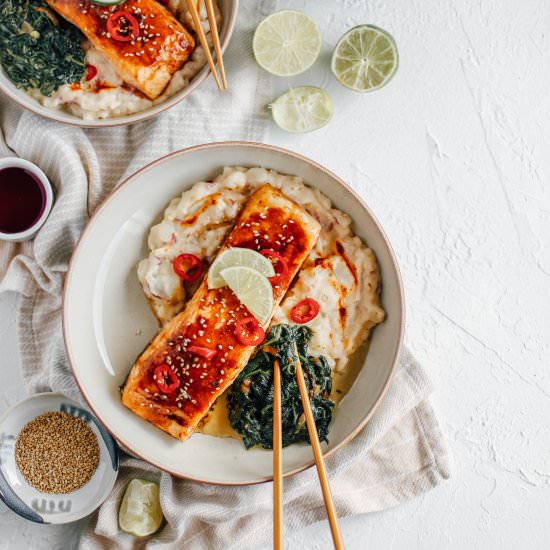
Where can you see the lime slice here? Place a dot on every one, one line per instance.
(302, 109)
(108, 2)
(140, 513)
(252, 289)
(365, 58)
(236, 256)
(286, 43)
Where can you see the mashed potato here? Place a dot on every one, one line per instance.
(341, 273)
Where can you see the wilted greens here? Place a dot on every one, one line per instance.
(38, 50)
(250, 399)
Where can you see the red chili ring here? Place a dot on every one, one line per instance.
(201, 351)
(279, 265)
(304, 311)
(123, 26)
(249, 332)
(166, 379)
(193, 271)
(91, 72)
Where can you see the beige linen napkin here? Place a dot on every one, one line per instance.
(400, 454)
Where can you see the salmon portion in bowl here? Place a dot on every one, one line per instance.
(101, 65)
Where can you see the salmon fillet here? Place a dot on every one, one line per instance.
(149, 61)
(269, 220)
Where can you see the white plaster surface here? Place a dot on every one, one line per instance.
(453, 158)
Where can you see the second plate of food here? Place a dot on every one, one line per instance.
(104, 62)
(142, 258)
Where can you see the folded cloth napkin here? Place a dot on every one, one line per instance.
(400, 454)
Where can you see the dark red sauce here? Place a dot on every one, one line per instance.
(22, 200)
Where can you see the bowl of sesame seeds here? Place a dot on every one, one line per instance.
(57, 462)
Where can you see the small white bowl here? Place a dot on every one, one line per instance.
(15, 162)
(40, 507)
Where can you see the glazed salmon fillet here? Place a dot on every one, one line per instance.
(146, 58)
(209, 321)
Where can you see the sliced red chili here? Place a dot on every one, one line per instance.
(166, 379)
(249, 332)
(123, 26)
(207, 353)
(304, 311)
(189, 267)
(279, 265)
(91, 72)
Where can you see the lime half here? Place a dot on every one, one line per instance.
(140, 513)
(236, 256)
(286, 43)
(302, 109)
(365, 58)
(252, 289)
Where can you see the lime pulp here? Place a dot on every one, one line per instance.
(365, 58)
(140, 512)
(302, 109)
(287, 43)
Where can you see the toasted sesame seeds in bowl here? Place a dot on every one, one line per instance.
(57, 462)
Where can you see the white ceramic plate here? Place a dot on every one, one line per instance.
(228, 8)
(107, 320)
(39, 507)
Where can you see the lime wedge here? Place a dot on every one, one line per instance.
(140, 513)
(236, 256)
(107, 2)
(365, 58)
(302, 109)
(286, 43)
(252, 289)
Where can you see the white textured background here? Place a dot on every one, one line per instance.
(453, 157)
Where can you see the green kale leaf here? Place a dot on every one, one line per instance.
(36, 49)
(250, 399)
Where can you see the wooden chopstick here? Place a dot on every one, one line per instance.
(318, 454)
(216, 39)
(277, 461)
(204, 42)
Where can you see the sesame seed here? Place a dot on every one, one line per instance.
(57, 453)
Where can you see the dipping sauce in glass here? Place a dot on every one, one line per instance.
(22, 200)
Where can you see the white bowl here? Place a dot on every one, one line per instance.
(108, 322)
(228, 8)
(39, 507)
(15, 162)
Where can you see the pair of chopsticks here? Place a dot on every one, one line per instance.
(317, 453)
(192, 6)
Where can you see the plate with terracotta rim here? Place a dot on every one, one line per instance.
(102, 296)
